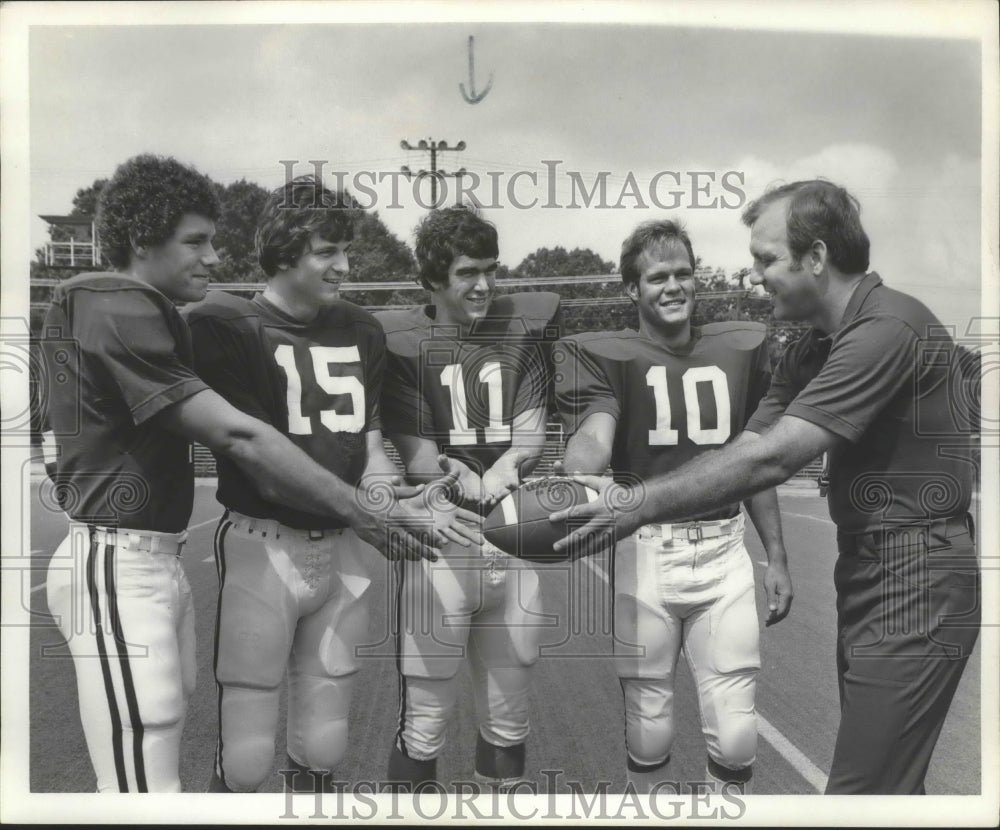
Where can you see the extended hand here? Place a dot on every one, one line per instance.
(434, 504)
(404, 522)
(600, 523)
(467, 485)
(504, 477)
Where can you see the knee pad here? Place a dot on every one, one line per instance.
(318, 711)
(649, 721)
(737, 740)
(246, 742)
(162, 708)
(325, 746)
(427, 706)
(244, 762)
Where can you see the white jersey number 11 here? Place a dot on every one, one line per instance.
(453, 378)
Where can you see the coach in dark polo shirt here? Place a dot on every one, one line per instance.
(872, 384)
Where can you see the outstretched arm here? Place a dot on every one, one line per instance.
(733, 473)
(284, 473)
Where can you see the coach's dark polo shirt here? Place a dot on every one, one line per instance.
(888, 382)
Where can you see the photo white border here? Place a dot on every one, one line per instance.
(916, 18)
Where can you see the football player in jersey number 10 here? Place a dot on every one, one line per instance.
(293, 580)
(467, 377)
(646, 402)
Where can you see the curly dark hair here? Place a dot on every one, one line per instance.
(649, 235)
(819, 209)
(144, 202)
(451, 232)
(293, 213)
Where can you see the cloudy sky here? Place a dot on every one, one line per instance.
(717, 105)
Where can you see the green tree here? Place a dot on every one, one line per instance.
(558, 262)
(378, 255)
(242, 202)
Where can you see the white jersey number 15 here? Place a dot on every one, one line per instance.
(322, 357)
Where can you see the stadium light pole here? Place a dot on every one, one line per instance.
(433, 147)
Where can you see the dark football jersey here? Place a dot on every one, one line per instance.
(463, 392)
(117, 353)
(670, 405)
(319, 383)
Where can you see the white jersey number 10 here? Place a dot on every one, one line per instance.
(453, 378)
(665, 434)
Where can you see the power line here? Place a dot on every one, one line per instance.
(432, 147)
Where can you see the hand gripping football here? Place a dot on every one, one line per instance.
(519, 524)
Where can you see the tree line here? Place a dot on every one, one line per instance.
(378, 255)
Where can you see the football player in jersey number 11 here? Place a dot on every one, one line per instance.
(293, 580)
(646, 402)
(467, 376)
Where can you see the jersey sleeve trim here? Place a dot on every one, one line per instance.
(166, 397)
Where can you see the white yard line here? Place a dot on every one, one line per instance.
(784, 747)
(791, 753)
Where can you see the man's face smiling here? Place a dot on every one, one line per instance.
(792, 286)
(181, 266)
(664, 292)
(313, 282)
(469, 291)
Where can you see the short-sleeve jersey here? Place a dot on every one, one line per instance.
(464, 392)
(669, 405)
(318, 383)
(116, 354)
(888, 382)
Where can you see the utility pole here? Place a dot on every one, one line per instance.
(433, 147)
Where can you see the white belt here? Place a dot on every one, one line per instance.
(691, 531)
(273, 529)
(147, 541)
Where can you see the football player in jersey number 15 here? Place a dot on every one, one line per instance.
(645, 402)
(467, 377)
(294, 581)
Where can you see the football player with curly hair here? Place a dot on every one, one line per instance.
(124, 404)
